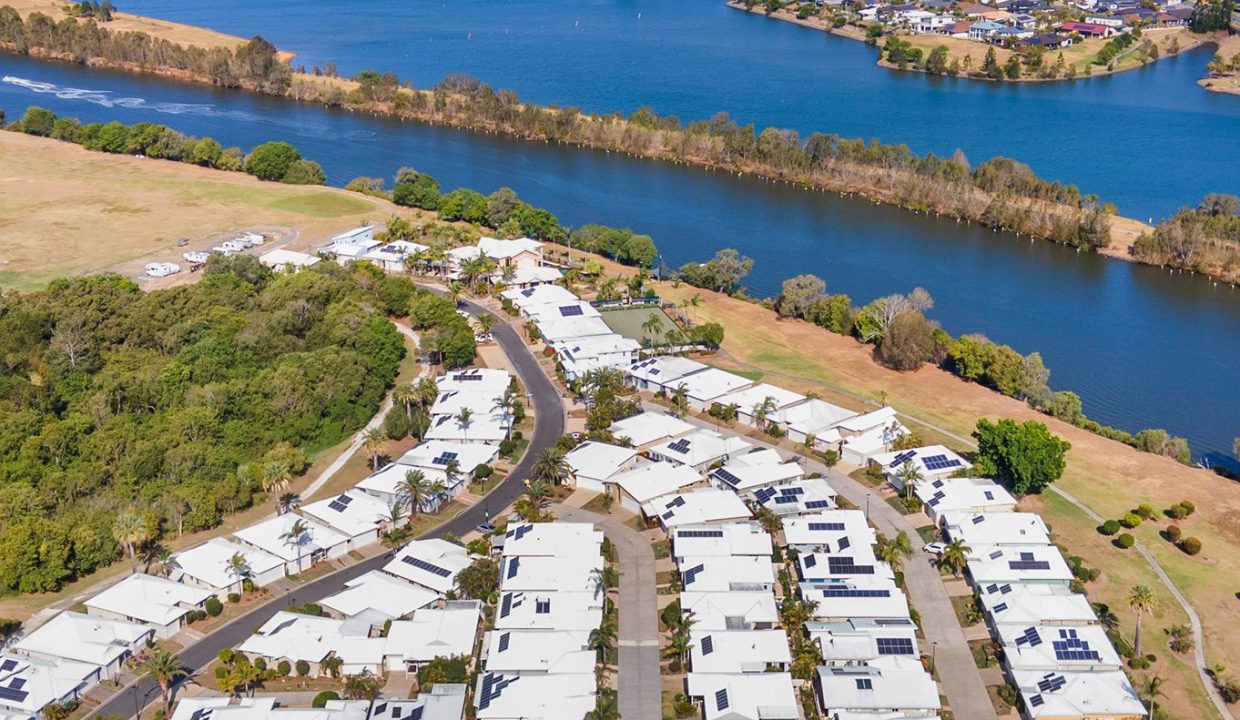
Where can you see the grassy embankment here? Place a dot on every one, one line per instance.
(1229, 82)
(1079, 56)
(1107, 476)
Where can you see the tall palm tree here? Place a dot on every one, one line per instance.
(551, 466)
(407, 395)
(464, 419)
(167, 670)
(653, 328)
(1153, 690)
(276, 477)
(603, 638)
(298, 534)
(605, 706)
(129, 530)
(895, 550)
(486, 321)
(158, 560)
(373, 442)
(761, 411)
(452, 472)
(332, 665)
(427, 391)
(680, 400)
(954, 557)
(414, 490)
(238, 568)
(395, 514)
(909, 475)
(1141, 599)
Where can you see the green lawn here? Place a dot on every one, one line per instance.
(628, 322)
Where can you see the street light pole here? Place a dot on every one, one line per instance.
(934, 651)
(867, 507)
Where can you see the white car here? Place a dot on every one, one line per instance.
(934, 548)
(162, 269)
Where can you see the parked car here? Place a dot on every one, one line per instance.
(485, 528)
(934, 548)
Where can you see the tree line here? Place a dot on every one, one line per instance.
(275, 161)
(171, 409)
(905, 339)
(1203, 239)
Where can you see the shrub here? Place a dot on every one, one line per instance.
(1174, 532)
(284, 668)
(830, 458)
(517, 436)
(1131, 520)
(1176, 512)
(260, 664)
(1229, 689)
(1145, 511)
(214, 606)
(234, 597)
(1189, 507)
(1110, 527)
(1181, 639)
(482, 472)
(320, 700)
(1139, 663)
(303, 668)
(683, 706)
(674, 665)
(1190, 545)
(247, 585)
(1125, 541)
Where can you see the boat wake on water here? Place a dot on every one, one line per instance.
(107, 99)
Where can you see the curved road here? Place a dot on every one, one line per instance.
(548, 427)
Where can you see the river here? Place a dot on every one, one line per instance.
(1143, 348)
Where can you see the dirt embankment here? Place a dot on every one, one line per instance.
(1227, 81)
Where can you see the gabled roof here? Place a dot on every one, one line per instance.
(858, 641)
(498, 249)
(648, 427)
(996, 528)
(834, 530)
(648, 480)
(758, 469)
(1033, 604)
(381, 593)
(799, 497)
(539, 651)
(479, 402)
(83, 638)
(432, 633)
(149, 599)
(873, 420)
(1018, 563)
(208, 563)
(724, 540)
(945, 495)
(599, 347)
(273, 535)
(547, 697)
(489, 427)
(432, 563)
(436, 454)
(768, 696)
(701, 447)
(747, 399)
(1055, 647)
(29, 684)
(539, 295)
(709, 384)
(305, 637)
(566, 309)
(485, 380)
(557, 330)
(726, 610)
(850, 562)
(519, 610)
(931, 461)
(726, 574)
(557, 539)
(890, 683)
(704, 505)
(597, 460)
(540, 573)
(352, 513)
(737, 651)
(859, 596)
(812, 416)
(664, 369)
(1060, 694)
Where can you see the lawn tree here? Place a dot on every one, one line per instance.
(238, 568)
(129, 530)
(1142, 601)
(373, 442)
(479, 581)
(414, 489)
(1025, 457)
(166, 668)
(799, 294)
(909, 475)
(954, 557)
(297, 535)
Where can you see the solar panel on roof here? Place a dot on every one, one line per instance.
(937, 484)
(785, 499)
(1005, 589)
(979, 519)
(503, 641)
(505, 606)
(996, 554)
(939, 462)
(8, 665)
(428, 567)
(380, 708)
(12, 694)
(846, 566)
(708, 645)
(680, 446)
(792, 491)
(847, 593)
(894, 646)
(542, 606)
(764, 494)
(513, 564)
(992, 589)
(677, 501)
(903, 458)
(444, 458)
(570, 310)
(817, 504)
(826, 526)
(522, 531)
(721, 699)
(668, 515)
(1029, 565)
(865, 684)
(415, 715)
(810, 561)
(1036, 701)
(1051, 682)
(845, 543)
(727, 477)
(1030, 637)
(337, 506)
(1000, 607)
(989, 495)
(699, 533)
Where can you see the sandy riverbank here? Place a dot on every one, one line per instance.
(1229, 82)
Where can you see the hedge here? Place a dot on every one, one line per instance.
(1125, 541)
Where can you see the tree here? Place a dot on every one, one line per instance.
(167, 670)
(38, 121)
(1025, 457)
(722, 273)
(373, 442)
(954, 557)
(895, 550)
(271, 160)
(603, 638)
(606, 706)
(238, 568)
(680, 400)
(652, 329)
(364, 686)
(129, 530)
(298, 534)
(1142, 601)
(799, 294)
(414, 489)
(276, 477)
(1152, 688)
(332, 665)
(908, 341)
(479, 581)
(304, 172)
(552, 467)
(909, 475)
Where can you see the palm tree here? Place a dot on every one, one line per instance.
(414, 489)
(364, 687)
(298, 534)
(452, 472)
(1142, 601)
(894, 551)
(909, 475)
(485, 322)
(1106, 616)
(166, 669)
(129, 530)
(427, 391)
(762, 410)
(289, 501)
(332, 665)
(551, 466)
(395, 514)
(769, 521)
(603, 638)
(1153, 690)
(455, 290)
(680, 400)
(464, 419)
(406, 394)
(238, 568)
(605, 706)
(373, 442)
(679, 645)
(954, 557)
(276, 477)
(653, 328)
(158, 560)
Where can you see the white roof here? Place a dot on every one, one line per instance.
(539, 651)
(484, 380)
(710, 384)
(566, 309)
(444, 701)
(963, 495)
(889, 683)
(728, 539)
(762, 468)
(352, 513)
(149, 599)
(549, 611)
(664, 369)
(281, 257)
(1078, 694)
(539, 295)
(599, 346)
(498, 249)
(813, 416)
(540, 573)
(996, 528)
(746, 400)
(359, 234)
(598, 461)
(435, 455)
(379, 592)
(269, 536)
(1055, 647)
(798, 497)
(729, 610)
(737, 651)
(650, 480)
(649, 427)
(701, 447)
(851, 562)
(833, 530)
(1018, 563)
(390, 479)
(432, 563)
(395, 251)
(547, 697)
(555, 539)
(1035, 604)
(490, 427)
(33, 683)
(208, 563)
(531, 274)
(569, 329)
(873, 420)
(859, 596)
(857, 640)
(433, 633)
(306, 637)
(751, 695)
(718, 574)
(479, 402)
(704, 505)
(932, 461)
(83, 638)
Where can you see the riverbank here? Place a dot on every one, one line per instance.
(1226, 79)
(965, 57)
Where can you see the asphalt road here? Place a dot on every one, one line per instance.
(549, 426)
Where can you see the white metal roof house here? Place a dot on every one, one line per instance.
(748, 473)
(800, 497)
(276, 535)
(1014, 528)
(704, 387)
(594, 463)
(931, 462)
(281, 260)
(1018, 564)
(528, 276)
(520, 610)
(812, 417)
(854, 561)
(565, 309)
(544, 573)
(379, 594)
(147, 600)
(748, 696)
(1060, 695)
(208, 566)
(699, 449)
(648, 481)
(516, 252)
(388, 484)
(761, 400)
(489, 428)
(553, 652)
(857, 641)
(432, 563)
(649, 428)
(893, 684)
(97, 641)
(856, 597)
(27, 685)
(1005, 603)
(391, 256)
(437, 454)
(292, 637)
(831, 531)
(726, 610)
(725, 540)
(1046, 648)
(557, 539)
(739, 651)
(356, 515)
(569, 329)
(528, 298)
(449, 631)
(972, 495)
(443, 701)
(704, 505)
(517, 696)
(483, 380)
(727, 574)
(584, 355)
(662, 372)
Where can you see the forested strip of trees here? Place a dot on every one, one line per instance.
(1205, 239)
(178, 406)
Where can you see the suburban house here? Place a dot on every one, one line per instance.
(704, 505)
(740, 539)
(833, 531)
(1056, 695)
(379, 595)
(705, 387)
(210, 566)
(299, 550)
(103, 643)
(746, 474)
(648, 481)
(558, 330)
(491, 428)
(1006, 604)
(800, 497)
(356, 515)
(443, 701)
(1089, 30)
(892, 684)
(430, 633)
(725, 696)
(516, 253)
(388, 485)
(1056, 647)
(437, 455)
(968, 495)
(148, 600)
(517, 696)
(984, 29)
(852, 562)
(856, 641)
(755, 405)
(27, 685)
(699, 449)
(542, 573)
(650, 428)
(730, 610)
(996, 529)
(581, 356)
(929, 463)
(432, 563)
(1017, 565)
(594, 463)
(856, 597)
(281, 260)
(549, 611)
(560, 539)
(812, 417)
(527, 299)
(392, 256)
(746, 573)
(292, 637)
(552, 652)
(739, 651)
(565, 309)
(663, 372)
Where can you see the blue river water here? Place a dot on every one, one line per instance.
(1144, 348)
